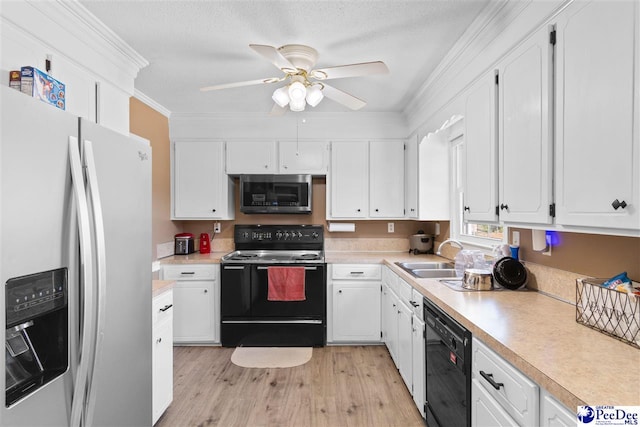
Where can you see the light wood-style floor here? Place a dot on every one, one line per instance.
(340, 386)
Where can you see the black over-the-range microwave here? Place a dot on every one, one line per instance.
(275, 194)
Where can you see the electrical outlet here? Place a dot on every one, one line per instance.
(515, 238)
(437, 230)
(216, 227)
(390, 227)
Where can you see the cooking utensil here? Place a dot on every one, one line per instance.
(477, 279)
(510, 273)
(420, 243)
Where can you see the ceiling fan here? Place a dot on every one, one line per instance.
(306, 85)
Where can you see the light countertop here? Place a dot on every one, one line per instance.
(534, 332)
(161, 286)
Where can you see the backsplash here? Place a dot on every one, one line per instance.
(366, 245)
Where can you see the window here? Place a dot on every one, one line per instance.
(477, 234)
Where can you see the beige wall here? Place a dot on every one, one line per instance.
(150, 124)
(364, 229)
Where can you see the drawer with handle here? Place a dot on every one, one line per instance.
(515, 392)
(356, 271)
(189, 272)
(162, 307)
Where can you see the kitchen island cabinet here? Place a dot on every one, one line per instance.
(200, 189)
(597, 99)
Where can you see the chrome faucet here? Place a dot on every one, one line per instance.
(451, 242)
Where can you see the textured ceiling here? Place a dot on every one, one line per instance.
(190, 44)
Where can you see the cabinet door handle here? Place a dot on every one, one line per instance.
(415, 304)
(618, 204)
(213, 210)
(489, 378)
(504, 207)
(340, 291)
(377, 210)
(166, 307)
(357, 272)
(206, 291)
(185, 273)
(159, 340)
(357, 210)
(466, 208)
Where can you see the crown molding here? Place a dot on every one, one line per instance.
(151, 103)
(108, 38)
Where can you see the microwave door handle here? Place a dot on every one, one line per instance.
(86, 262)
(100, 251)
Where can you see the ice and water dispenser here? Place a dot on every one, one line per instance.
(37, 337)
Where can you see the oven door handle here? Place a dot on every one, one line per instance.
(306, 268)
(233, 267)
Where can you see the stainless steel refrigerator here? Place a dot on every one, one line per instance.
(75, 265)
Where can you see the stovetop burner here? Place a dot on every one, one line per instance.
(283, 256)
(277, 244)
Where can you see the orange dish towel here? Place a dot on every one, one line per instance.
(286, 284)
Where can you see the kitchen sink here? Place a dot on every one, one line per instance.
(428, 274)
(426, 265)
(428, 270)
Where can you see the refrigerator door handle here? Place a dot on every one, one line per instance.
(86, 263)
(100, 252)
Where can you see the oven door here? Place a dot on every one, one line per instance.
(312, 307)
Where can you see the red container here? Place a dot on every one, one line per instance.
(205, 244)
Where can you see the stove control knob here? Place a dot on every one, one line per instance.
(278, 235)
(286, 235)
(299, 235)
(314, 235)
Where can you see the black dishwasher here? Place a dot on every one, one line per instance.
(448, 369)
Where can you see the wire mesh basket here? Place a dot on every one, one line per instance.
(609, 311)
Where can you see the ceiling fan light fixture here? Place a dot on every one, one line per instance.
(281, 96)
(314, 95)
(297, 105)
(297, 91)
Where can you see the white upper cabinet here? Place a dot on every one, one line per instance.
(282, 157)
(433, 178)
(200, 188)
(525, 133)
(481, 144)
(597, 148)
(303, 157)
(411, 178)
(386, 181)
(348, 180)
(251, 157)
(366, 180)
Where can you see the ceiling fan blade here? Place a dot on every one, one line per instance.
(343, 97)
(352, 70)
(275, 57)
(277, 110)
(240, 84)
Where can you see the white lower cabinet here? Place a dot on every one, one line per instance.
(505, 386)
(403, 333)
(162, 354)
(196, 301)
(418, 376)
(354, 306)
(554, 413)
(485, 410)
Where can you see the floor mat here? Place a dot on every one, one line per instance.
(271, 357)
